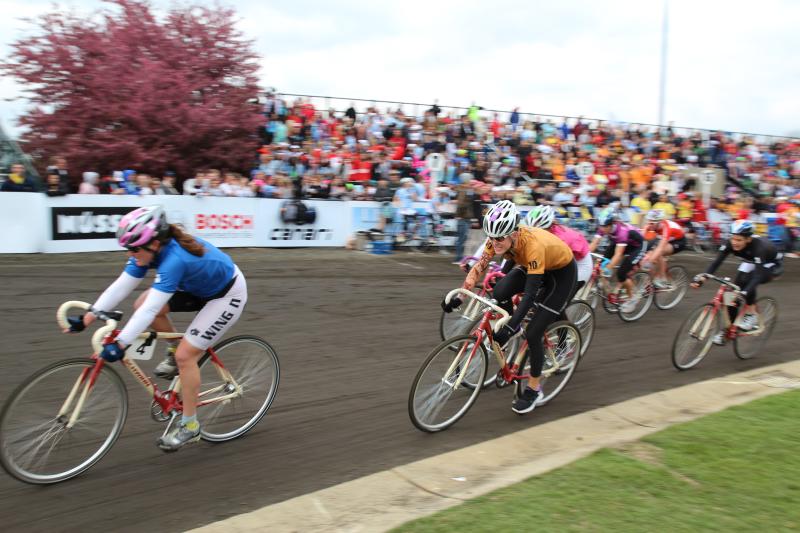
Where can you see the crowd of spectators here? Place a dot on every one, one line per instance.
(309, 153)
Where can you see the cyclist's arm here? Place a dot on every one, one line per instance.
(478, 269)
(117, 291)
(724, 250)
(595, 242)
(507, 265)
(143, 316)
(532, 284)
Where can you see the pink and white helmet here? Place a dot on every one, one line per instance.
(141, 226)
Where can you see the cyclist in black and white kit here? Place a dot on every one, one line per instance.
(762, 263)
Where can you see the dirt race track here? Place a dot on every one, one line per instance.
(351, 330)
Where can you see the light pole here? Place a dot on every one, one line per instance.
(663, 88)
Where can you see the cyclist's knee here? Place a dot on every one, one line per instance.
(186, 353)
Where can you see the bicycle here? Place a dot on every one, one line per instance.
(665, 298)
(64, 418)
(599, 289)
(578, 312)
(694, 338)
(463, 359)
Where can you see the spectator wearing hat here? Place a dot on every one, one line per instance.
(89, 184)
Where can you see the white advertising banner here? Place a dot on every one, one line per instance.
(87, 222)
(23, 222)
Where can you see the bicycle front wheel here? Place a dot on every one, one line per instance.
(561, 356)
(748, 343)
(678, 278)
(36, 444)
(438, 397)
(643, 294)
(253, 366)
(581, 314)
(460, 320)
(693, 339)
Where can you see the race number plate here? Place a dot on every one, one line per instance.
(142, 349)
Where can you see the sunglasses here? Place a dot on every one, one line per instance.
(498, 239)
(134, 249)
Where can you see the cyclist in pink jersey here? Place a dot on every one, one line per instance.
(543, 216)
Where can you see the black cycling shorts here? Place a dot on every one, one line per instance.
(185, 302)
(632, 258)
(678, 245)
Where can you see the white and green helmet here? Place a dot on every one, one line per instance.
(541, 216)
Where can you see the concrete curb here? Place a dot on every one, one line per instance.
(384, 500)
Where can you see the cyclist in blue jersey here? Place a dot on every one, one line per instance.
(191, 275)
(624, 249)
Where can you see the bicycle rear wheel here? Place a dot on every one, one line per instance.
(36, 446)
(643, 291)
(693, 340)
(436, 401)
(581, 314)
(678, 278)
(748, 343)
(562, 353)
(254, 366)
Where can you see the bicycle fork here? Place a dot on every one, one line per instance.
(89, 372)
(702, 324)
(462, 371)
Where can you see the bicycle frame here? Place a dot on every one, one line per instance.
(168, 400)
(718, 302)
(485, 331)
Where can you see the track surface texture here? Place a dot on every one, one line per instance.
(351, 330)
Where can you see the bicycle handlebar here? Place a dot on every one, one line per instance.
(500, 323)
(724, 281)
(99, 335)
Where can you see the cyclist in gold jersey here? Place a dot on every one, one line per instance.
(539, 264)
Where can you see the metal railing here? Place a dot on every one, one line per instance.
(340, 103)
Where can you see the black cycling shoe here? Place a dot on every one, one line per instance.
(527, 402)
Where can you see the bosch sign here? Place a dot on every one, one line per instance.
(203, 221)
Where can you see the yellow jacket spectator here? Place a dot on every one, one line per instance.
(666, 206)
(641, 205)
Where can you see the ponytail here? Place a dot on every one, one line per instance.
(186, 241)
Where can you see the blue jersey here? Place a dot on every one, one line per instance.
(178, 270)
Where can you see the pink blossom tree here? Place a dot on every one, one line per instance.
(123, 89)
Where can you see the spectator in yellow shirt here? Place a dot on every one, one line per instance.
(685, 207)
(641, 205)
(666, 206)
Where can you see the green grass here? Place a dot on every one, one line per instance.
(736, 470)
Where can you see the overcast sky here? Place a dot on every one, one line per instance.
(732, 65)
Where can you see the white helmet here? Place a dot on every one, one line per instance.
(501, 219)
(540, 216)
(655, 215)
